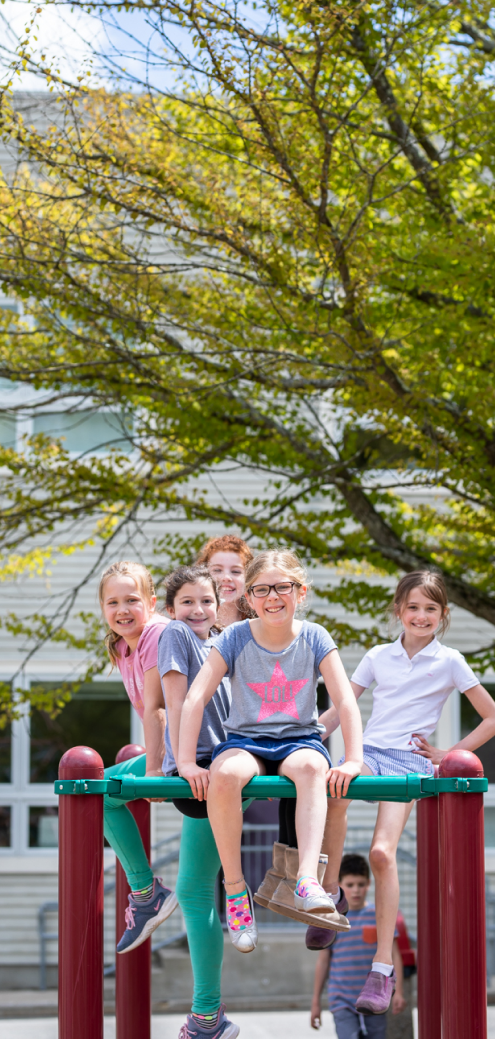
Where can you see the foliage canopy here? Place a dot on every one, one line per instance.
(281, 259)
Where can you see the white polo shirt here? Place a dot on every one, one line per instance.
(409, 694)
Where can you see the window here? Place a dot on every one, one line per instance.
(84, 431)
(8, 428)
(5, 754)
(469, 720)
(98, 716)
(5, 812)
(43, 826)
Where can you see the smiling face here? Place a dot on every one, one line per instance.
(420, 615)
(228, 570)
(355, 888)
(125, 608)
(275, 609)
(196, 605)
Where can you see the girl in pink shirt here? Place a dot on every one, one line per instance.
(127, 599)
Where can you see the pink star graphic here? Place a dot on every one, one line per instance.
(278, 695)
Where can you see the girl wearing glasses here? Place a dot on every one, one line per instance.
(273, 662)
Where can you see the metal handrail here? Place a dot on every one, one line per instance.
(52, 907)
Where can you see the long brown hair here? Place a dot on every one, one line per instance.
(144, 581)
(432, 584)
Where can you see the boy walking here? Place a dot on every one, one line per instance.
(348, 961)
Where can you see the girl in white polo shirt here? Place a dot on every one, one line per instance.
(414, 676)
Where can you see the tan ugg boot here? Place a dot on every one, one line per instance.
(273, 876)
(282, 901)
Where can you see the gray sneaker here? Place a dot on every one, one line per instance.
(142, 918)
(318, 938)
(221, 1028)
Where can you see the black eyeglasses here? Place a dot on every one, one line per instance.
(260, 591)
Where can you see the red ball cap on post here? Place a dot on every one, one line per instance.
(460, 763)
(81, 763)
(131, 750)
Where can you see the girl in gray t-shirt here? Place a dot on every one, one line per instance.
(273, 663)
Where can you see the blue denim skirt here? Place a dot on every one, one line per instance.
(271, 750)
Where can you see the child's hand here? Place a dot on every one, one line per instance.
(338, 778)
(198, 779)
(316, 1015)
(398, 1003)
(426, 750)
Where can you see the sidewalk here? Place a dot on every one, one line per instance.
(269, 1025)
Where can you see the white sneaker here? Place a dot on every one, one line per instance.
(313, 898)
(245, 940)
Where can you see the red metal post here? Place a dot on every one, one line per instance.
(428, 953)
(462, 903)
(80, 948)
(133, 969)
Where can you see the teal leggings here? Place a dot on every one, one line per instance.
(199, 864)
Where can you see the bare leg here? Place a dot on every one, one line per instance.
(334, 837)
(333, 841)
(307, 769)
(229, 773)
(383, 861)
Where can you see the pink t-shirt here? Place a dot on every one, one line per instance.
(145, 656)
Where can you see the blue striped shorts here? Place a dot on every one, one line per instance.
(394, 762)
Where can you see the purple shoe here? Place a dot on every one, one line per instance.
(376, 994)
(318, 938)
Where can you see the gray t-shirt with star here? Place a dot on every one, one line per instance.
(273, 694)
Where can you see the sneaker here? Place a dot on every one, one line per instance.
(142, 918)
(318, 938)
(310, 897)
(245, 939)
(377, 993)
(222, 1028)
(283, 899)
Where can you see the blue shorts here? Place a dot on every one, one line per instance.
(395, 762)
(272, 751)
(390, 762)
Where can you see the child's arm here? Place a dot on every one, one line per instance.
(330, 719)
(175, 691)
(342, 696)
(398, 1002)
(200, 693)
(482, 702)
(154, 722)
(321, 975)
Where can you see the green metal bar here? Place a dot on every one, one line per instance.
(363, 788)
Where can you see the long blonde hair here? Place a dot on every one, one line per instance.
(144, 581)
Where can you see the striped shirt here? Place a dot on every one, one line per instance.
(351, 960)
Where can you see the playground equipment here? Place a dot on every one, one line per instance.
(451, 892)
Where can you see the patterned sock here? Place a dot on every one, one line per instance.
(308, 886)
(143, 894)
(238, 911)
(206, 1020)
